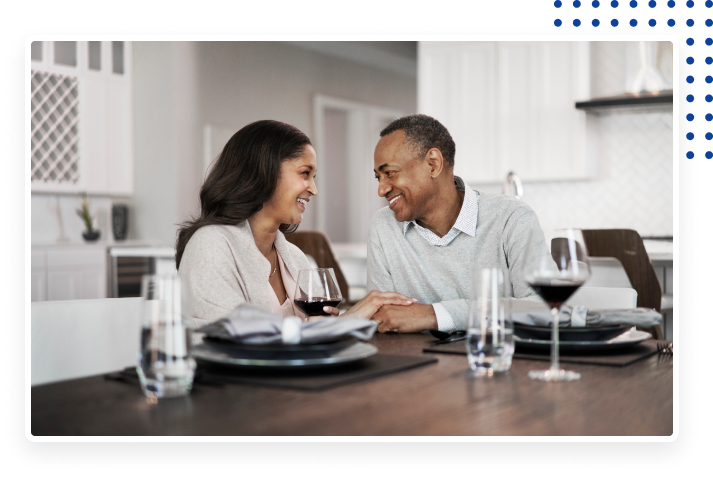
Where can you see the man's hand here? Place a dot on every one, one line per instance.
(406, 319)
(370, 304)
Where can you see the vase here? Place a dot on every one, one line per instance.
(91, 236)
(120, 221)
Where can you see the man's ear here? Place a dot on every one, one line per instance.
(435, 161)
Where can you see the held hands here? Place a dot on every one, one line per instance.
(412, 319)
(371, 303)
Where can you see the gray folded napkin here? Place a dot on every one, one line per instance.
(250, 325)
(534, 314)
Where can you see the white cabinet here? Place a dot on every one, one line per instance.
(73, 272)
(509, 106)
(82, 117)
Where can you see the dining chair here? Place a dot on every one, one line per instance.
(78, 338)
(627, 246)
(316, 244)
(601, 298)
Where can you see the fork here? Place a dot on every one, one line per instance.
(664, 348)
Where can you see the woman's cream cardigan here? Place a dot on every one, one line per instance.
(221, 268)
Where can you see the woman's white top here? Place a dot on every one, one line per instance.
(222, 268)
(287, 308)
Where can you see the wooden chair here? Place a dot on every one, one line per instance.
(628, 247)
(316, 244)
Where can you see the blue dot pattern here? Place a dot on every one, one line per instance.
(653, 23)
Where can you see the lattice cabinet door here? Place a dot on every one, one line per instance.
(81, 117)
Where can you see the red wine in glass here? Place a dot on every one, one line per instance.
(556, 293)
(316, 306)
(316, 288)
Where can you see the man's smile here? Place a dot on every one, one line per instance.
(393, 201)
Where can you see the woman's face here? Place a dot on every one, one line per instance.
(294, 188)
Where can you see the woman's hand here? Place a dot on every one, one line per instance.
(328, 310)
(370, 304)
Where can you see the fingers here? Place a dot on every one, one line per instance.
(392, 298)
(331, 310)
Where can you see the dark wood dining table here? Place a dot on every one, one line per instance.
(441, 399)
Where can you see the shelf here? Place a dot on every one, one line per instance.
(629, 100)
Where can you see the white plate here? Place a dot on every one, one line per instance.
(356, 352)
(624, 340)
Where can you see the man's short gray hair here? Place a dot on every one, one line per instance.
(424, 133)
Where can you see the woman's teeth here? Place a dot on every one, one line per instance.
(303, 202)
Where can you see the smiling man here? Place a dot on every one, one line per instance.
(436, 230)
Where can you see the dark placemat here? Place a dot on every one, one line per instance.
(619, 357)
(301, 379)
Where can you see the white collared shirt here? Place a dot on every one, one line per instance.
(466, 222)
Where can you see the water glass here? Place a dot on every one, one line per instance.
(489, 342)
(165, 366)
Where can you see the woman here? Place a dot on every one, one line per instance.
(235, 251)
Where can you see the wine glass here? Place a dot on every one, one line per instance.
(316, 288)
(555, 275)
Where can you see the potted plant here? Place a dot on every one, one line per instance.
(91, 234)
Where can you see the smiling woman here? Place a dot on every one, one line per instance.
(235, 252)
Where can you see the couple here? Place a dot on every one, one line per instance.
(420, 249)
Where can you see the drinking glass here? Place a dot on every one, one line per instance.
(555, 275)
(489, 342)
(165, 366)
(316, 288)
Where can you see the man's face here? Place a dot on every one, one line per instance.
(404, 179)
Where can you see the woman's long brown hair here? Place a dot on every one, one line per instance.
(244, 177)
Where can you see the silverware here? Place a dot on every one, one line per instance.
(664, 348)
(444, 337)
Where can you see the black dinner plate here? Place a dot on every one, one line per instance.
(229, 345)
(586, 333)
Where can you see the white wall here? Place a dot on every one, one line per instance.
(634, 185)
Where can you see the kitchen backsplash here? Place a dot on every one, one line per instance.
(634, 186)
(54, 219)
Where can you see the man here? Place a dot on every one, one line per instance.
(436, 230)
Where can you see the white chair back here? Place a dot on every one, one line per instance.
(78, 338)
(608, 272)
(604, 298)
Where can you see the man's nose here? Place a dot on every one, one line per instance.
(384, 188)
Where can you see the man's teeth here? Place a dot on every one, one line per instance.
(392, 200)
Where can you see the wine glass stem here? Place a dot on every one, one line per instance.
(555, 360)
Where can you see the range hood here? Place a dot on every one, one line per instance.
(646, 90)
(628, 100)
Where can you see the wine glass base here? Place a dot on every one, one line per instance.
(554, 375)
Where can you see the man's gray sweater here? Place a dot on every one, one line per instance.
(410, 265)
